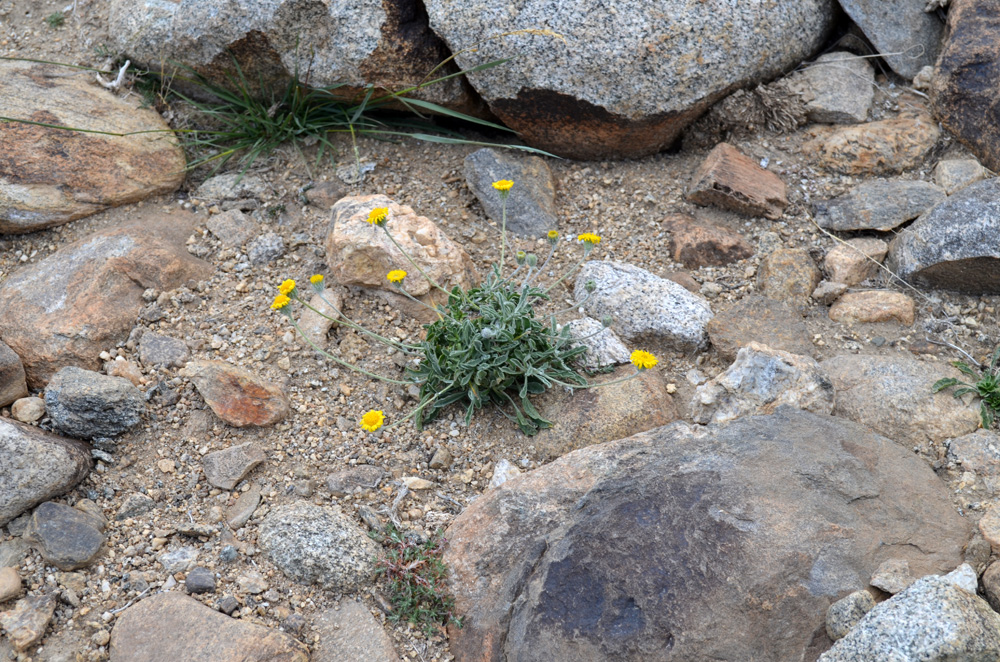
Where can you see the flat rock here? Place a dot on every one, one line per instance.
(760, 319)
(12, 552)
(978, 452)
(892, 395)
(177, 560)
(651, 313)
(346, 481)
(26, 622)
(621, 81)
(955, 174)
(314, 325)
(12, 379)
(729, 179)
(351, 633)
(36, 466)
(52, 176)
(596, 415)
(10, 584)
(531, 202)
(199, 580)
(695, 244)
(225, 468)
(67, 538)
(877, 148)
(845, 613)
(874, 306)
(892, 576)
(135, 505)
(318, 545)
(758, 382)
(908, 36)
(837, 88)
(855, 260)
(84, 298)
(788, 274)
(240, 512)
(155, 349)
(827, 292)
(952, 246)
(232, 228)
(604, 348)
(231, 186)
(931, 621)
(89, 405)
(170, 626)
(237, 396)
(627, 550)
(878, 204)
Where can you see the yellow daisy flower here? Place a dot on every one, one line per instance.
(287, 287)
(396, 276)
(553, 234)
(503, 185)
(280, 302)
(378, 215)
(589, 238)
(372, 420)
(317, 279)
(643, 360)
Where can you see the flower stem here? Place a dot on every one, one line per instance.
(346, 321)
(415, 265)
(342, 362)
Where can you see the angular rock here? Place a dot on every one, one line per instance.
(955, 174)
(978, 452)
(989, 526)
(878, 204)
(908, 36)
(10, 584)
(351, 633)
(36, 466)
(502, 472)
(531, 203)
(627, 550)
(68, 308)
(316, 326)
(697, 245)
(240, 512)
(596, 415)
(991, 584)
(325, 194)
(126, 370)
(845, 613)
(155, 349)
(170, 626)
(12, 552)
(89, 405)
(225, 468)
(66, 537)
(28, 410)
(931, 621)
(346, 481)
(651, 313)
(26, 622)
(135, 505)
(231, 186)
(318, 545)
(200, 580)
(360, 254)
(178, 560)
(51, 176)
(827, 292)
(731, 180)
(967, 73)
(874, 306)
(757, 318)
(892, 576)
(892, 395)
(788, 274)
(232, 228)
(837, 88)
(266, 248)
(876, 148)
(603, 346)
(237, 396)
(758, 382)
(12, 380)
(625, 83)
(953, 246)
(855, 260)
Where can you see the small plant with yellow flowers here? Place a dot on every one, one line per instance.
(488, 345)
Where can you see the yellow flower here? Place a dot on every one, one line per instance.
(396, 276)
(372, 420)
(280, 302)
(589, 238)
(287, 286)
(317, 279)
(503, 185)
(378, 215)
(553, 234)
(643, 360)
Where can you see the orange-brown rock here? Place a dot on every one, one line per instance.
(697, 245)
(729, 179)
(12, 380)
(237, 396)
(788, 274)
(52, 176)
(855, 260)
(885, 147)
(874, 306)
(84, 298)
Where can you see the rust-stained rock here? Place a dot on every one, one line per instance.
(84, 298)
(237, 396)
(729, 179)
(788, 274)
(52, 176)
(695, 244)
(874, 306)
(876, 148)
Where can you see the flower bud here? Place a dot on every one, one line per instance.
(590, 286)
(606, 321)
(520, 257)
(532, 260)
(488, 333)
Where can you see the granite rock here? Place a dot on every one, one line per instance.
(89, 405)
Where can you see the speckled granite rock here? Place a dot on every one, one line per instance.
(87, 405)
(845, 613)
(604, 348)
(12, 380)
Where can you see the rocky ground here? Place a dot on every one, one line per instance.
(630, 204)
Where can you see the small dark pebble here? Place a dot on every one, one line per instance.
(228, 605)
(200, 580)
(294, 623)
(878, 341)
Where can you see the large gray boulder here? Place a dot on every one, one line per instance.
(687, 543)
(622, 78)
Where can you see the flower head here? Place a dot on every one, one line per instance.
(553, 237)
(589, 238)
(396, 276)
(287, 287)
(280, 302)
(503, 185)
(643, 360)
(378, 215)
(372, 420)
(316, 279)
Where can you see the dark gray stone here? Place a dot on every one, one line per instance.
(200, 580)
(12, 379)
(908, 37)
(954, 245)
(155, 349)
(66, 537)
(135, 505)
(878, 205)
(12, 553)
(88, 405)
(228, 604)
(265, 248)
(531, 208)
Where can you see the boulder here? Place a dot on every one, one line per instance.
(68, 308)
(51, 176)
(36, 466)
(89, 405)
(908, 36)
(621, 79)
(953, 246)
(12, 379)
(681, 543)
(531, 203)
(878, 204)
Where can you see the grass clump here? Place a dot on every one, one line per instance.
(56, 19)
(415, 575)
(985, 384)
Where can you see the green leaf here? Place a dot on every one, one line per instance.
(944, 383)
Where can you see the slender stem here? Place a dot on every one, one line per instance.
(573, 307)
(565, 275)
(342, 362)
(357, 327)
(415, 265)
(552, 250)
(413, 298)
(503, 228)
